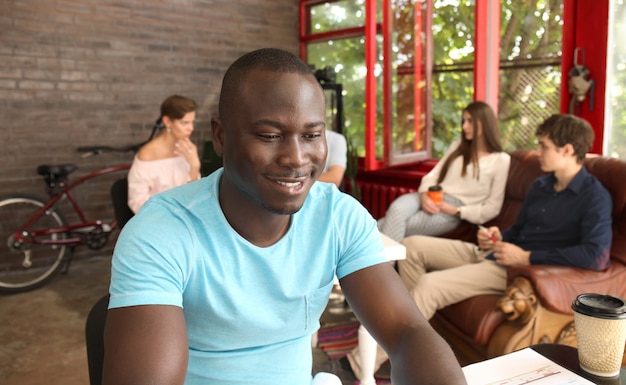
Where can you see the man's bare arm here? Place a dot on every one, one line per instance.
(383, 305)
(145, 345)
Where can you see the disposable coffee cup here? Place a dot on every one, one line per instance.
(600, 322)
(435, 193)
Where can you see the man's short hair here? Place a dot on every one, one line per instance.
(564, 128)
(264, 59)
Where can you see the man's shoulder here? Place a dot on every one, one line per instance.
(192, 194)
(328, 195)
(593, 184)
(323, 191)
(542, 181)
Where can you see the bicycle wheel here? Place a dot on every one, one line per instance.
(26, 266)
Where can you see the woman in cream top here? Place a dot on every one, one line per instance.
(168, 160)
(472, 174)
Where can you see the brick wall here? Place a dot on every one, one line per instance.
(85, 72)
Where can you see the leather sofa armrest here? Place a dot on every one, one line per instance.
(557, 286)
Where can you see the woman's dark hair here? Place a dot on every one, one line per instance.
(482, 115)
(174, 107)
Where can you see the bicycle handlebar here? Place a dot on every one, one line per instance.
(95, 150)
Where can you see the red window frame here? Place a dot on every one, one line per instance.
(370, 30)
(486, 69)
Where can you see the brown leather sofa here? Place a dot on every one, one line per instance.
(536, 306)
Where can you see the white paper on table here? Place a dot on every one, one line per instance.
(524, 366)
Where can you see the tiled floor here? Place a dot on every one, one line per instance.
(42, 332)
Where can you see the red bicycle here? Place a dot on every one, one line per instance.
(37, 242)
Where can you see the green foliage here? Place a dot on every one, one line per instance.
(531, 32)
(530, 29)
(346, 56)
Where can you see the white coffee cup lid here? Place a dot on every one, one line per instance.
(600, 306)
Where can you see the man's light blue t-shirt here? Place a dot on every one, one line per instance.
(250, 311)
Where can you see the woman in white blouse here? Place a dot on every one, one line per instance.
(168, 160)
(473, 175)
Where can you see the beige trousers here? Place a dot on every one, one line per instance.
(439, 272)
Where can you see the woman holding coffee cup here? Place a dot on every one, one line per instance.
(467, 183)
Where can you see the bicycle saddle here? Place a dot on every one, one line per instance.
(56, 172)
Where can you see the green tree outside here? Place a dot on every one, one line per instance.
(530, 76)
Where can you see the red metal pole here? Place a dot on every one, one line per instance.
(370, 85)
(487, 52)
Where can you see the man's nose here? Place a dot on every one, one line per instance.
(293, 153)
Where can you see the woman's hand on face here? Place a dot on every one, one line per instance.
(188, 150)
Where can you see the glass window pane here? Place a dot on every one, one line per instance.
(615, 125)
(409, 132)
(336, 15)
(530, 70)
(528, 95)
(453, 90)
(453, 79)
(347, 58)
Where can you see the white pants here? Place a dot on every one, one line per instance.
(324, 378)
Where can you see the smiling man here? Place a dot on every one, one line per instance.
(223, 280)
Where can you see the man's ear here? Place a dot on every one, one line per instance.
(217, 135)
(568, 150)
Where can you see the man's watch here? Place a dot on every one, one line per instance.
(458, 212)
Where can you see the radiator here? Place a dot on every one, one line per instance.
(377, 197)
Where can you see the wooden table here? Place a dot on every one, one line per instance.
(567, 357)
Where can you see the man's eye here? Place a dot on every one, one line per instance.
(269, 136)
(313, 136)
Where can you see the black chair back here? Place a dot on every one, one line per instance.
(94, 338)
(119, 197)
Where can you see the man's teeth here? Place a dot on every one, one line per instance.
(288, 184)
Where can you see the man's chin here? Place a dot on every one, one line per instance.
(545, 168)
(283, 210)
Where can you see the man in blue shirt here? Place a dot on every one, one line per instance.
(565, 220)
(223, 280)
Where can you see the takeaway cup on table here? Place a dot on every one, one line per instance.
(600, 322)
